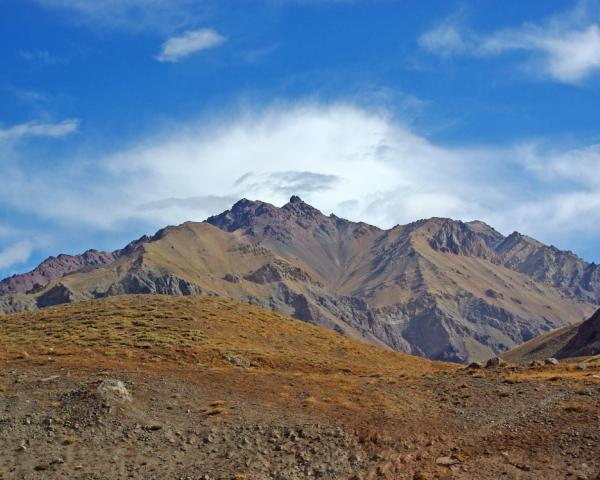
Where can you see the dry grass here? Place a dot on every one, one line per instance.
(289, 362)
(194, 330)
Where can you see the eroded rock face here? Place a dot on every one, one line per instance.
(458, 238)
(57, 295)
(549, 265)
(277, 271)
(147, 282)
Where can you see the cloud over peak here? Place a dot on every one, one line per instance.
(182, 46)
(342, 158)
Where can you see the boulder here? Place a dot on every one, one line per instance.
(231, 278)
(236, 360)
(114, 390)
(495, 362)
(551, 361)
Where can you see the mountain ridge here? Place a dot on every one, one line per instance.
(436, 287)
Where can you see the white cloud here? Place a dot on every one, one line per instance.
(357, 163)
(40, 129)
(447, 38)
(177, 48)
(564, 48)
(15, 254)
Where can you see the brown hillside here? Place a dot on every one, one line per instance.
(573, 341)
(152, 386)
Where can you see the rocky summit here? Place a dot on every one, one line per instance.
(438, 288)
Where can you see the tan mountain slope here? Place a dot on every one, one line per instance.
(155, 386)
(436, 287)
(572, 341)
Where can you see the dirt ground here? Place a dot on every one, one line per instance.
(309, 404)
(220, 423)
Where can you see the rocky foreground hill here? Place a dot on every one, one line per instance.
(162, 387)
(438, 288)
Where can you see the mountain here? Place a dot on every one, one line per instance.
(572, 341)
(439, 288)
(59, 266)
(54, 267)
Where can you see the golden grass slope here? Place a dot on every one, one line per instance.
(191, 330)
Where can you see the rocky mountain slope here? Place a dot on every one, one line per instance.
(54, 267)
(61, 265)
(155, 387)
(572, 341)
(438, 288)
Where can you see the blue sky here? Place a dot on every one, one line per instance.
(118, 117)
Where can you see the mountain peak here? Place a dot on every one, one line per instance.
(298, 207)
(242, 214)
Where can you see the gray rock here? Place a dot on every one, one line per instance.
(551, 361)
(229, 277)
(114, 390)
(495, 362)
(236, 360)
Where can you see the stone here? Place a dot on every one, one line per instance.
(495, 362)
(231, 278)
(236, 360)
(581, 366)
(114, 390)
(551, 361)
(475, 366)
(446, 461)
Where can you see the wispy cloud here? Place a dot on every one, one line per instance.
(134, 15)
(15, 254)
(41, 57)
(358, 163)
(256, 55)
(201, 202)
(447, 38)
(564, 47)
(288, 183)
(182, 46)
(40, 129)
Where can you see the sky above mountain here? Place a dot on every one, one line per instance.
(118, 117)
